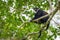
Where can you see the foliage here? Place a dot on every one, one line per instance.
(11, 16)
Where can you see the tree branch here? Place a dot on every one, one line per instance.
(53, 13)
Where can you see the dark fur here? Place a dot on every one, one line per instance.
(39, 13)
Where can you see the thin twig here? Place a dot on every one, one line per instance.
(21, 15)
(25, 37)
(41, 17)
(50, 3)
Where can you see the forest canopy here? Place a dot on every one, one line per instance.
(15, 16)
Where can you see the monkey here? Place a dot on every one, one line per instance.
(39, 13)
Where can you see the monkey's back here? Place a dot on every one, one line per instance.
(39, 14)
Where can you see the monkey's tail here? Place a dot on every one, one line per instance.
(39, 34)
(42, 30)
